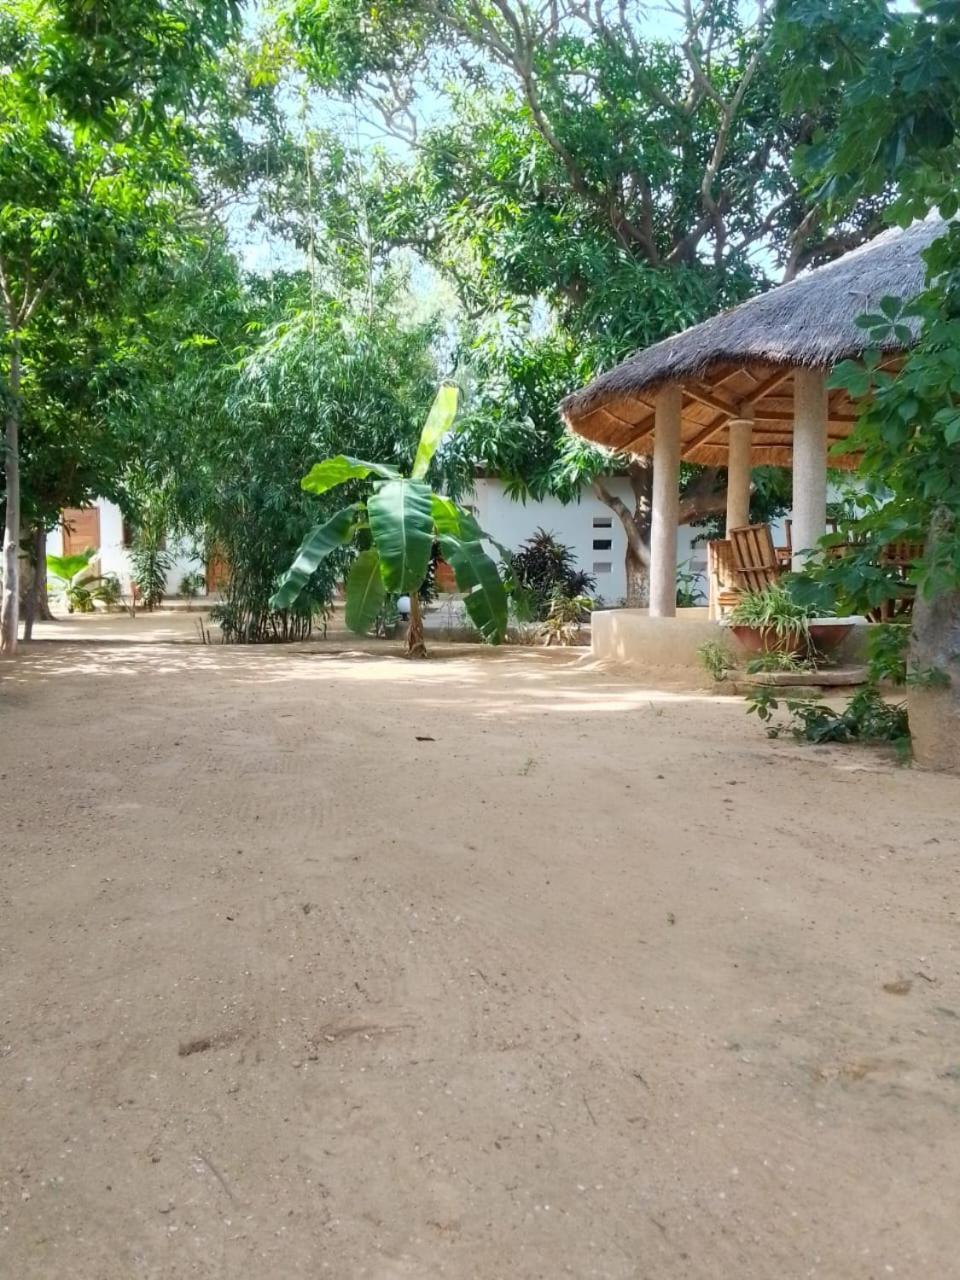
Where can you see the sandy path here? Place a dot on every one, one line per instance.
(592, 983)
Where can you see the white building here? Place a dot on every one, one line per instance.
(592, 531)
(102, 526)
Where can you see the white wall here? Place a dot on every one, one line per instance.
(513, 522)
(114, 557)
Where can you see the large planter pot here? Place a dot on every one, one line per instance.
(826, 635)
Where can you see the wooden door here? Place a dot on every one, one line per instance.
(218, 573)
(81, 529)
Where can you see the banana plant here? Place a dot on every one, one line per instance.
(71, 579)
(398, 525)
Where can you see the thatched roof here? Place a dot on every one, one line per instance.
(745, 357)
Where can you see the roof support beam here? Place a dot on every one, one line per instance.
(712, 429)
(764, 388)
(711, 399)
(666, 504)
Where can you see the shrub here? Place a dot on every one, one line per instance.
(544, 568)
(191, 584)
(716, 659)
(565, 617)
(866, 718)
(151, 562)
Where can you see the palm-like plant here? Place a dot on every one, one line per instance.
(399, 524)
(66, 573)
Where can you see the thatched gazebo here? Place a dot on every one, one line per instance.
(748, 387)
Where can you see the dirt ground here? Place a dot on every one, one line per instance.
(316, 963)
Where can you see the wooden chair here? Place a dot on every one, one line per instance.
(755, 562)
(785, 553)
(722, 589)
(898, 558)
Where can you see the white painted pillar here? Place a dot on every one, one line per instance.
(666, 503)
(738, 471)
(809, 461)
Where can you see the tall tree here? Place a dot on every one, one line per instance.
(95, 173)
(898, 126)
(591, 186)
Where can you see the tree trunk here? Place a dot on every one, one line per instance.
(415, 646)
(36, 605)
(935, 649)
(701, 498)
(10, 608)
(636, 525)
(638, 582)
(44, 612)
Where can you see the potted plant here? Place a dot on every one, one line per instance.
(772, 621)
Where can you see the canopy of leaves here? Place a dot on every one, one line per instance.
(898, 72)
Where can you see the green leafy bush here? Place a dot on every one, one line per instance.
(565, 618)
(776, 610)
(107, 591)
(543, 569)
(150, 563)
(191, 584)
(867, 718)
(716, 659)
(689, 591)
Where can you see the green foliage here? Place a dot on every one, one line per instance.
(107, 591)
(776, 610)
(109, 112)
(315, 548)
(565, 618)
(400, 515)
(543, 570)
(887, 645)
(69, 579)
(365, 592)
(896, 72)
(400, 522)
(191, 584)
(716, 659)
(689, 591)
(324, 476)
(779, 661)
(485, 596)
(66, 568)
(269, 376)
(866, 718)
(585, 182)
(150, 564)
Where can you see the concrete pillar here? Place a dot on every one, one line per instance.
(809, 461)
(666, 503)
(738, 471)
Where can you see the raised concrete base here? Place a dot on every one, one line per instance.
(668, 646)
(828, 678)
(632, 637)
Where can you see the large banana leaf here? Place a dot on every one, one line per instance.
(365, 592)
(316, 546)
(485, 597)
(401, 522)
(446, 516)
(66, 568)
(326, 475)
(470, 531)
(438, 423)
(456, 522)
